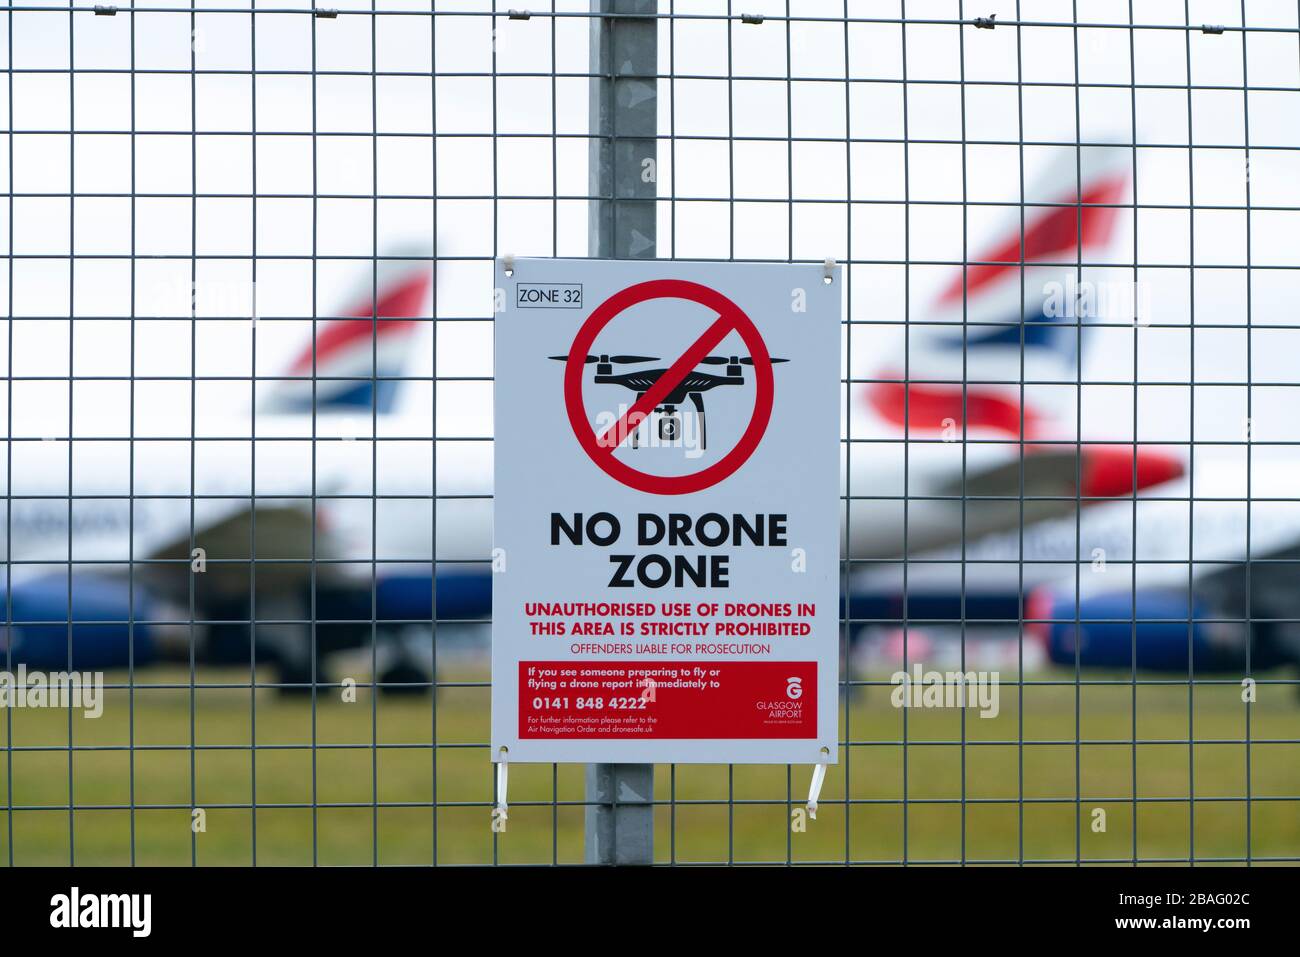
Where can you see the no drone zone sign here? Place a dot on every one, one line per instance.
(666, 546)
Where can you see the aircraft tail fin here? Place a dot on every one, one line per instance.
(355, 359)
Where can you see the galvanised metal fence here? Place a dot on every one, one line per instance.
(230, 503)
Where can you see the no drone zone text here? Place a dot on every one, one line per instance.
(674, 530)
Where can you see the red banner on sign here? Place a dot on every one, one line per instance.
(568, 700)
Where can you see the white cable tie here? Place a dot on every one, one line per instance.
(828, 270)
(815, 789)
(503, 779)
(508, 263)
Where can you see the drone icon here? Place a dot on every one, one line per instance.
(693, 386)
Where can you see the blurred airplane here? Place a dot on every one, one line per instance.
(1198, 584)
(946, 415)
(1185, 580)
(1180, 575)
(152, 581)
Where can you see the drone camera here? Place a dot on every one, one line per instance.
(670, 427)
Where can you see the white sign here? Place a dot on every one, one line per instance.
(666, 583)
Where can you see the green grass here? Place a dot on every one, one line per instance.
(700, 827)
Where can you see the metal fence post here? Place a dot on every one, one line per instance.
(624, 113)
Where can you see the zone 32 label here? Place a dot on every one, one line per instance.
(546, 296)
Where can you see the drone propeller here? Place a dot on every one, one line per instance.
(732, 360)
(617, 360)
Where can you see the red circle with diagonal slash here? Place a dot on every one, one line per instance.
(732, 317)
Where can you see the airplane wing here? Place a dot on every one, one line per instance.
(1001, 496)
(279, 536)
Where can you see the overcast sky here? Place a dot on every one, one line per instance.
(769, 100)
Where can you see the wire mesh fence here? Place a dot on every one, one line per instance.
(248, 404)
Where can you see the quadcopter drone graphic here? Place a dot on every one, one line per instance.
(693, 386)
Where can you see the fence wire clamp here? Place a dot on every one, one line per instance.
(755, 18)
(519, 15)
(1212, 29)
(815, 789)
(102, 11)
(828, 270)
(322, 14)
(508, 263)
(986, 23)
(503, 780)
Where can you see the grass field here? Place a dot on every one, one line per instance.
(376, 804)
